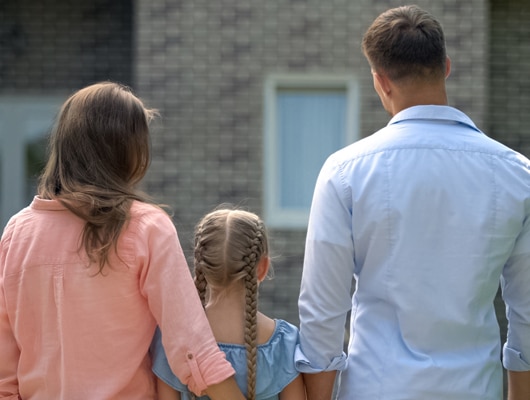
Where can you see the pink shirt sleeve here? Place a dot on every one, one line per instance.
(166, 282)
(9, 352)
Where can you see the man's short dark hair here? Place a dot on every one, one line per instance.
(406, 42)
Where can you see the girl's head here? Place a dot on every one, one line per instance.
(230, 247)
(101, 140)
(98, 152)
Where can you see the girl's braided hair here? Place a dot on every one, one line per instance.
(228, 247)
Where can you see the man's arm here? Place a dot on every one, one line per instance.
(320, 386)
(518, 385)
(515, 282)
(325, 290)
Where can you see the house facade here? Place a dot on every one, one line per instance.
(253, 96)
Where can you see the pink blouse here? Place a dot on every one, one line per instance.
(67, 332)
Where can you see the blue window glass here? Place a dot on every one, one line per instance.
(311, 125)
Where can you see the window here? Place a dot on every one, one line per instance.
(24, 125)
(306, 119)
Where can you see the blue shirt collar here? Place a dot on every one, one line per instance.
(433, 112)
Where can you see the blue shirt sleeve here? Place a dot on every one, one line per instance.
(515, 282)
(276, 368)
(325, 297)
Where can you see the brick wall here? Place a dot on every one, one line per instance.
(56, 46)
(203, 64)
(509, 66)
(508, 115)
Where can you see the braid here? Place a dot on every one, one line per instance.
(200, 278)
(201, 285)
(251, 333)
(255, 252)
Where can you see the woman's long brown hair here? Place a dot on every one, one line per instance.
(98, 151)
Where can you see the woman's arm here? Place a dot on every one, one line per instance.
(227, 389)
(166, 392)
(9, 350)
(294, 390)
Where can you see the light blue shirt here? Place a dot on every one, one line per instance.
(427, 215)
(275, 363)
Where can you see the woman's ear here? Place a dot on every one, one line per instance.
(263, 268)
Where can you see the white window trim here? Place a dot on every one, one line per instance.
(274, 215)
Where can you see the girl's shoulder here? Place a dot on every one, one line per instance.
(275, 361)
(284, 332)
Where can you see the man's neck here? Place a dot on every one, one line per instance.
(415, 95)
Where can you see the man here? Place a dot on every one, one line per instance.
(427, 215)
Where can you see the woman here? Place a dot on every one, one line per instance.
(90, 268)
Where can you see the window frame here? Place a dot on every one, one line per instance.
(274, 215)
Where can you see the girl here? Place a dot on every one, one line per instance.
(231, 258)
(90, 268)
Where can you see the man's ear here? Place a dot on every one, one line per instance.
(263, 268)
(447, 67)
(382, 81)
